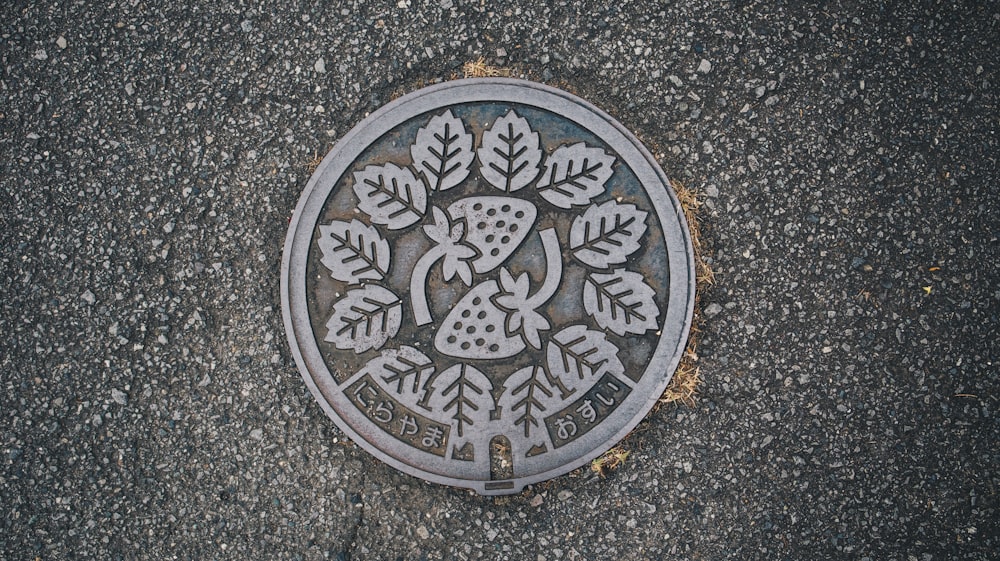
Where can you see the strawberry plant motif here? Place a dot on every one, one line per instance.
(501, 315)
(497, 320)
(620, 301)
(449, 237)
(443, 152)
(353, 251)
(481, 233)
(495, 227)
(575, 174)
(365, 318)
(510, 153)
(475, 328)
(606, 234)
(390, 195)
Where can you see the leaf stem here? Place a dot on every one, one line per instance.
(553, 269)
(418, 282)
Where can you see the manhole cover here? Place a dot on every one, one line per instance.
(487, 283)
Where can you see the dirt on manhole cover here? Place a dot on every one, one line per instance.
(487, 283)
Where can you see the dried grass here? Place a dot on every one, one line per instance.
(683, 387)
(314, 163)
(691, 204)
(609, 461)
(479, 69)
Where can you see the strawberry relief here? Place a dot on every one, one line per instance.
(487, 261)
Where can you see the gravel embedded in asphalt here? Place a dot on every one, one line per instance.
(152, 154)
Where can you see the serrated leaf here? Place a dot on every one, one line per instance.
(527, 322)
(620, 301)
(577, 355)
(607, 234)
(353, 251)
(515, 289)
(456, 263)
(533, 323)
(527, 396)
(510, 153)
(390, 195)
(574, 175)
(365, 318)
(443, 152)
(463, 392)
(441, 230)
(456, 254)
(405, 373)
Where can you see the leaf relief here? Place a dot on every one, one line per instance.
(405, 373)
(606, 234)
(510, 153)
(576, 356)
(392, 196)
(574, 175)
(442, 152)
(364, 319)
(464, 393)
(528, 395)
(353, 251)
(620, 301)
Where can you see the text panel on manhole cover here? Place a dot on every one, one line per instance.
(487, 260)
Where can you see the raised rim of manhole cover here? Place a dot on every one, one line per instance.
(487, 283)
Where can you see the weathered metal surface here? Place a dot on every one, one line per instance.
(486, 268)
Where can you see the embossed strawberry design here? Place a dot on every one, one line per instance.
(477, 234)
(475, 328)
(495, 227)
(499, 319)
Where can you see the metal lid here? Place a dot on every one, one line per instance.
(487, 283)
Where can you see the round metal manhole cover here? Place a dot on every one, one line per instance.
(487, 283)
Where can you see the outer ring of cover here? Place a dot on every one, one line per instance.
(680, 258)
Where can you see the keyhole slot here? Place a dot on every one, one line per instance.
(501, 459)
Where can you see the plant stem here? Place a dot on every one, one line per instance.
(553, 269)
(418, 282)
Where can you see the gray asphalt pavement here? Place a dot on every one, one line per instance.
(847, 152)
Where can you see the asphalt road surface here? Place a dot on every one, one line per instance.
(847, 154)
